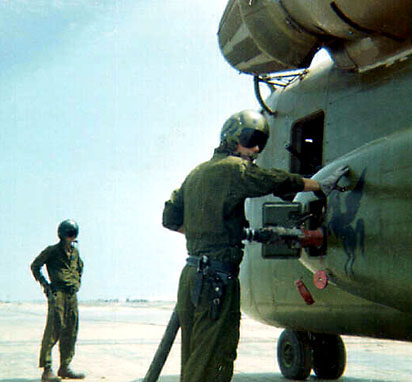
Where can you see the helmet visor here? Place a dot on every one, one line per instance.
(251, 138)
(70, 233)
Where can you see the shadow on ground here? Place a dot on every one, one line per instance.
(266, 377)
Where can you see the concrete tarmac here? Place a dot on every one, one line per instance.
(117, 342)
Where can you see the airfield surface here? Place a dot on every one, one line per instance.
(118, 340)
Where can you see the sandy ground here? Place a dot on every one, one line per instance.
(118, 340)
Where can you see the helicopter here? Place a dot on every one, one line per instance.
(350, 109)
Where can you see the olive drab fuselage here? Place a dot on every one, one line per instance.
(348, 105)
(365, 121)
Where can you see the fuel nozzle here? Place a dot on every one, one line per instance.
(292, 237)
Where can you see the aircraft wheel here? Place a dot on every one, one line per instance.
(329, 356)
(294, 354)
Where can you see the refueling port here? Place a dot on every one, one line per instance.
(281, 214)
(287, 218)
(286, 229)
(317, 220)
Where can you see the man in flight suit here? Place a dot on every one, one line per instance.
(64, 268)
(209, 209)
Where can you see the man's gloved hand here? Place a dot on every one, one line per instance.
(330, 183)
(46, 287)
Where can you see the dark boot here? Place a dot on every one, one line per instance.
(49, 376)
(66, 372)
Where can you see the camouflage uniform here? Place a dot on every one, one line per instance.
(210, 207)
(63, 316)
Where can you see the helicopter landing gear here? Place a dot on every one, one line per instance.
(299, 352)
(329, 356)
(294, 354)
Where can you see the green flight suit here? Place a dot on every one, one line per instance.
(210, 207)
(63, 315)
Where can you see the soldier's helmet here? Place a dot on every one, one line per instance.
(68, 228)
(248, 127)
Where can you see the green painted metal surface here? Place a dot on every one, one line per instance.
(368, 125)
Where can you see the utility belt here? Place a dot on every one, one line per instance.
(215, 275)
(64, 289)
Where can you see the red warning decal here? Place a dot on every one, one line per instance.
(320, 279)
(304, 292)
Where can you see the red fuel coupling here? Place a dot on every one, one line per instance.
(292, 237)
(304, 292)
(313, 238)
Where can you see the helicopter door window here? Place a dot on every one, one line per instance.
(306, 147)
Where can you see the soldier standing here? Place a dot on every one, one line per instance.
(64, 268)
(209, 209)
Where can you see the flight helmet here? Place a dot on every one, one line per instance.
(67, 228)
(248, 127)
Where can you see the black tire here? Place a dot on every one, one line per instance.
(329, 356)
(294, 354)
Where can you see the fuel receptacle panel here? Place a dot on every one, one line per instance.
(281, 214)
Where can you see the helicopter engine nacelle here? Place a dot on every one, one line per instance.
(264, 36)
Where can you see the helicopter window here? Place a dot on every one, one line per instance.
(306, 147)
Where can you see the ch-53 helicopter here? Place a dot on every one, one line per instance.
(353, 109)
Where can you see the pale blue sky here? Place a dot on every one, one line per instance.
(104, 107)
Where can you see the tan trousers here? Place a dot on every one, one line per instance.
(208, 346)
(62, 325)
